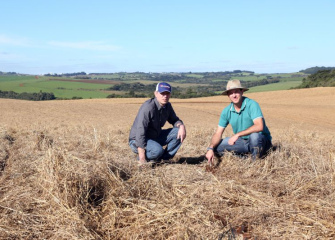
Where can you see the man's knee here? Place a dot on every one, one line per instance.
(174, 132)
(222, 146)
(255, 139)
(155, 153)
(173, 137)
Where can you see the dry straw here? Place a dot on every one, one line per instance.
(79, 180)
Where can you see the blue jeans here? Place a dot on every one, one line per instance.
(155, 150)
(257, 145)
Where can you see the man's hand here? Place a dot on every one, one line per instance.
(210, 156)
(181, 133)
(257, 127)
(141, 155)
(232, 140)
(216, 139)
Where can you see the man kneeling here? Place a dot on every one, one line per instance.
(251, 134)
(147, 138)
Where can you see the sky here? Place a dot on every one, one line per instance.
(100, 36)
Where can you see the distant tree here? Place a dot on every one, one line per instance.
(41, 96)
(313, 70)
(322, 78)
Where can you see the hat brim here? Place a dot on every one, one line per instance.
(164, 91)
(226, 92)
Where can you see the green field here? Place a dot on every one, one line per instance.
(61, 89)
(96, 85)
(276, 86)
(194, 75)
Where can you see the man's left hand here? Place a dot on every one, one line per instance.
(232, 140)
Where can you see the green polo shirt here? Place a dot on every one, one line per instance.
(244, 119)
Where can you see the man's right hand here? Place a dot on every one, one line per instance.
(210, 156)
(141, 155)
(216, 138)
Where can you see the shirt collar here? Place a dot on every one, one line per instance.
(244, 103)
(159, 107)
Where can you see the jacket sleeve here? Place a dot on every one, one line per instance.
(142, 126)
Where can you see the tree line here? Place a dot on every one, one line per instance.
(65, 74)
(8, 73)
(323, 78)
(185, 77)
(313, 70)
(40, 96)
(140, 90)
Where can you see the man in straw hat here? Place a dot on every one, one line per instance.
(251, 134)
(147, 138)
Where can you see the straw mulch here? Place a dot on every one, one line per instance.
(83, 182)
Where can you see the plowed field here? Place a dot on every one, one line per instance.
(308, 109)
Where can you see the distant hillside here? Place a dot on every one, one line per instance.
(323, 78)
(315, 69)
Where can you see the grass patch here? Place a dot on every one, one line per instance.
(61, 89)
(276, 86)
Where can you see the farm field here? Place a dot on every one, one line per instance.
(276, 86)
(62, 88)
(95, 86)
(66, 172)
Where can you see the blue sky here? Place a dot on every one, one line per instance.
(265, 36)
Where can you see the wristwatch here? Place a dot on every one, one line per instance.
(209, 148)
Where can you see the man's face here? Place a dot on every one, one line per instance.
(163, 98)
(235, 95)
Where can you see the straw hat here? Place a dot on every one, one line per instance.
(234, 84)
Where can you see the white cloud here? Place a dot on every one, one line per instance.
(88, 45)
(13, 41)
